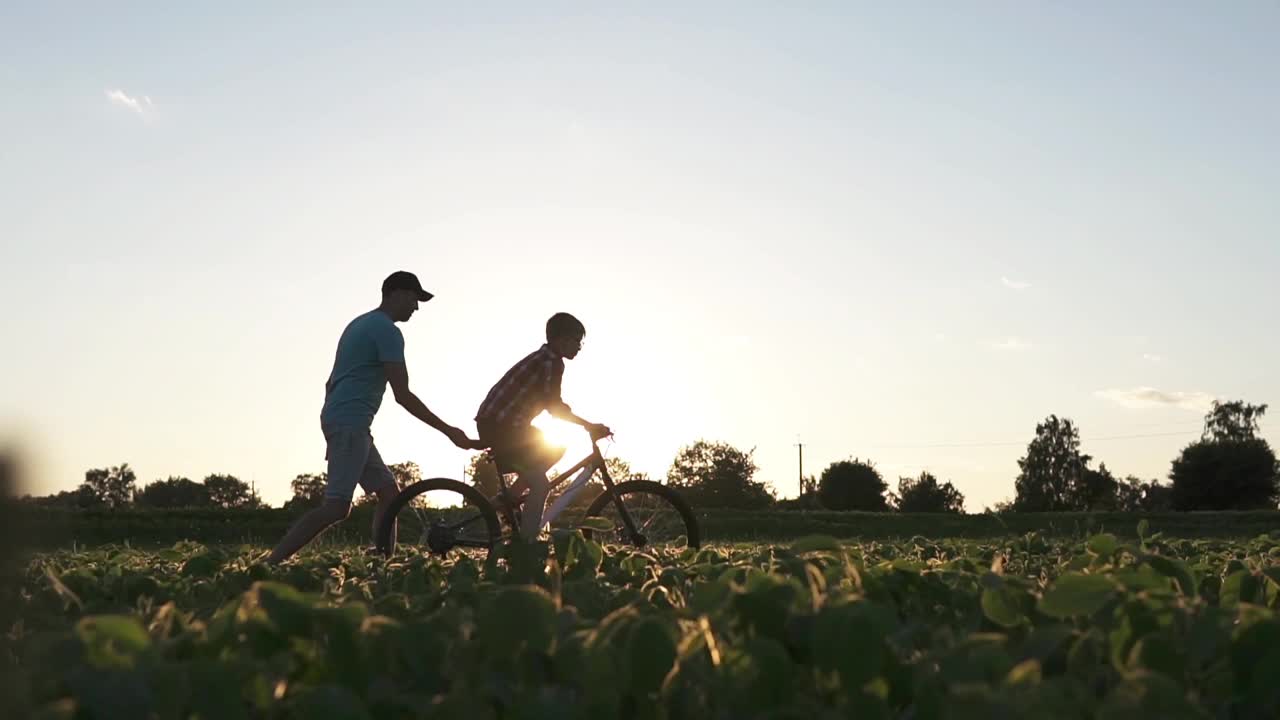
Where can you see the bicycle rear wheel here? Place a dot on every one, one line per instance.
(439, 516)
(659, 515)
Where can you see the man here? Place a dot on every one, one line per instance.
(370, 356)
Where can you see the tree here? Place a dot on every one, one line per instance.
(853, 485)
(83, 498)
(717, 474)
(808, 485)
(406, 473)
(1232, 421)
(228, 491)
(173, 492)
(308, 490)
(1094, 490)
(113, 487)
(1052, 476)
(1134, 495)
(925, 495)
(1230, 467)
(483, 474)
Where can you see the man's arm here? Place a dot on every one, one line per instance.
(398, 377)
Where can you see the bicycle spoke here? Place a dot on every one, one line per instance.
(444, 520)
(655, 521)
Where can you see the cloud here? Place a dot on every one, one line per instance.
(1011, 344)
(140, 105)
(1014, 284)
(1152, 357)
(1146, 397)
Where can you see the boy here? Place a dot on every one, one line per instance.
(529, 387)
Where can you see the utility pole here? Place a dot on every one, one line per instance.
(800, 448)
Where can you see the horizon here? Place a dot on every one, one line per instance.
(902, 235)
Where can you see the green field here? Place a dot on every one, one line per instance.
(1029, 625)
(52, 528)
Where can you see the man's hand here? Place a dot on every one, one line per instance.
(598, 430)
(459, 438)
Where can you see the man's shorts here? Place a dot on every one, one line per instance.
(353, 458)
(520, 448)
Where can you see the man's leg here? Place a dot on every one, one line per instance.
(346, 450)
(385, 497)
(308, 527)
(378, 480)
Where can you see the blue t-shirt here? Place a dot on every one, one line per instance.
(356, 384)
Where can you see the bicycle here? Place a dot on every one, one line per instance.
(643, 513)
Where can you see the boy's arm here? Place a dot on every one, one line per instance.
(558, 408)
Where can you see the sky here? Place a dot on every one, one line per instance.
(903, 232)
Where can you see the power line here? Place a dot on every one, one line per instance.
(1011, 443)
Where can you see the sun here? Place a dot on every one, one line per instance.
(563, 434)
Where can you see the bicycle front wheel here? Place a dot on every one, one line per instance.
(439, 516)
(658, 516)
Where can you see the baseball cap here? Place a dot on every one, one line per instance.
(402, 280)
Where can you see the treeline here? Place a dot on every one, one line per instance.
(1229, 468)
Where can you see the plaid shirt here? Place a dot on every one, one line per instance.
(529, 387)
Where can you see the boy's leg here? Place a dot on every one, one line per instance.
(534, 504)
(347, 451)
(537, 457)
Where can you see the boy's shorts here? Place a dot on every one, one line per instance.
(353, 458)
(518, 449)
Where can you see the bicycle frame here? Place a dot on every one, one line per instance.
(588, 466)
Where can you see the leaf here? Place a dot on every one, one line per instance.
(586, 556)
(1250, 649)
(651, 653)
(1003, 606)
(764, 673)
(1027, 672)
(1161, 653)
(1103, 545)
(596, 523)
(64, 592)
(288, 609)
(1144, 528)
(202, 565)
(113, 641)
(1149, 695)
(1175, 569)
(330, 702)
(850, 640)
(764, 603)
(816, 543)
(519, 617)
(709, 596)
(1076, 594)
